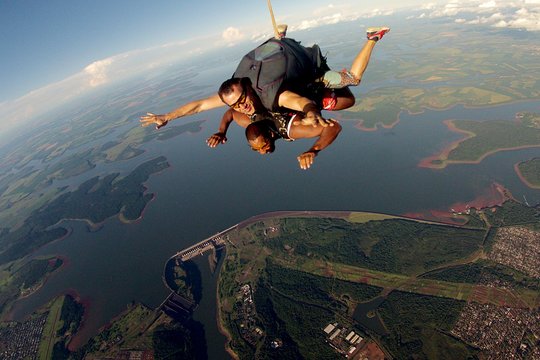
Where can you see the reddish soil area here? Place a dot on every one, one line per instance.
(360, 125)
(495, 195)
(371, 351)
(76, 341)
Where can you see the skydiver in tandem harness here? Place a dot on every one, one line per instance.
(281, 81)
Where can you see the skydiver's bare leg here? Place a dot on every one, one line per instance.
(340, 79)
(361, 61)
(337, 95)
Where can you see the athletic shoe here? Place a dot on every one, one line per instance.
(377, 33)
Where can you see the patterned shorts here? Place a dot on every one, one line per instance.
(339, 79)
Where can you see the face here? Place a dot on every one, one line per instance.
(240, 99)
(262, 145)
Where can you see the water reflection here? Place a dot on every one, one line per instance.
(366, 315)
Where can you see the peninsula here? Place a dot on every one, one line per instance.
(483, 138)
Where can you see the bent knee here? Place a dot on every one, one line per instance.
(337, 100)
(345, 103)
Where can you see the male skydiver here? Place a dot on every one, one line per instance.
(263, 133)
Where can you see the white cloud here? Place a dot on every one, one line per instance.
(97, 72)
(428, 6)
(489, 4)
(232, 35)
(519, 14)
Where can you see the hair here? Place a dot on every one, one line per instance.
(259, 128)
(226, 86)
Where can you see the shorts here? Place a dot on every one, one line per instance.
(339, 79)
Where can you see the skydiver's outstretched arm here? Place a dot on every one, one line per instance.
(326, 136)
(230, 115)
(190, 108)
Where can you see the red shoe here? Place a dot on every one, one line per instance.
(377, 33)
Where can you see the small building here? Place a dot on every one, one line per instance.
(349, 337)
(329, 328)
(336, 333)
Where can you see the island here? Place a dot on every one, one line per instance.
(104, 197)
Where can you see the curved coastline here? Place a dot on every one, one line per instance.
(65, 263)
(360, 125)
(443, 155)
(522, 178)
(423, 109)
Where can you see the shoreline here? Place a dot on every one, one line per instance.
(65, 261)
(495, 195)
(442, 156)
(523, 179)
(425, 108)
(220, 326)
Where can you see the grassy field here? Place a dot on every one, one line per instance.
(441, 72)
(53, 324)
(454, 290)
(363, 217)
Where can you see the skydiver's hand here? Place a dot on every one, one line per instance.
(314, 118)
(149, 119)
(306, 159)
(216, 139)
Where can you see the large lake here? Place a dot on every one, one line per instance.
(207, 190)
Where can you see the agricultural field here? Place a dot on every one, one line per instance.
(439, 71)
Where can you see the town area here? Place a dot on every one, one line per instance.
(504, 332)
(500, 332)
(21, 340)
(519, 248)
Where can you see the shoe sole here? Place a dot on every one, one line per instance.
(377, 29)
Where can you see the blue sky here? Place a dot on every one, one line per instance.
(55, 49)
(46, 41)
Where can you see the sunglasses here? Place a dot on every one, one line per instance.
(241, 100)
